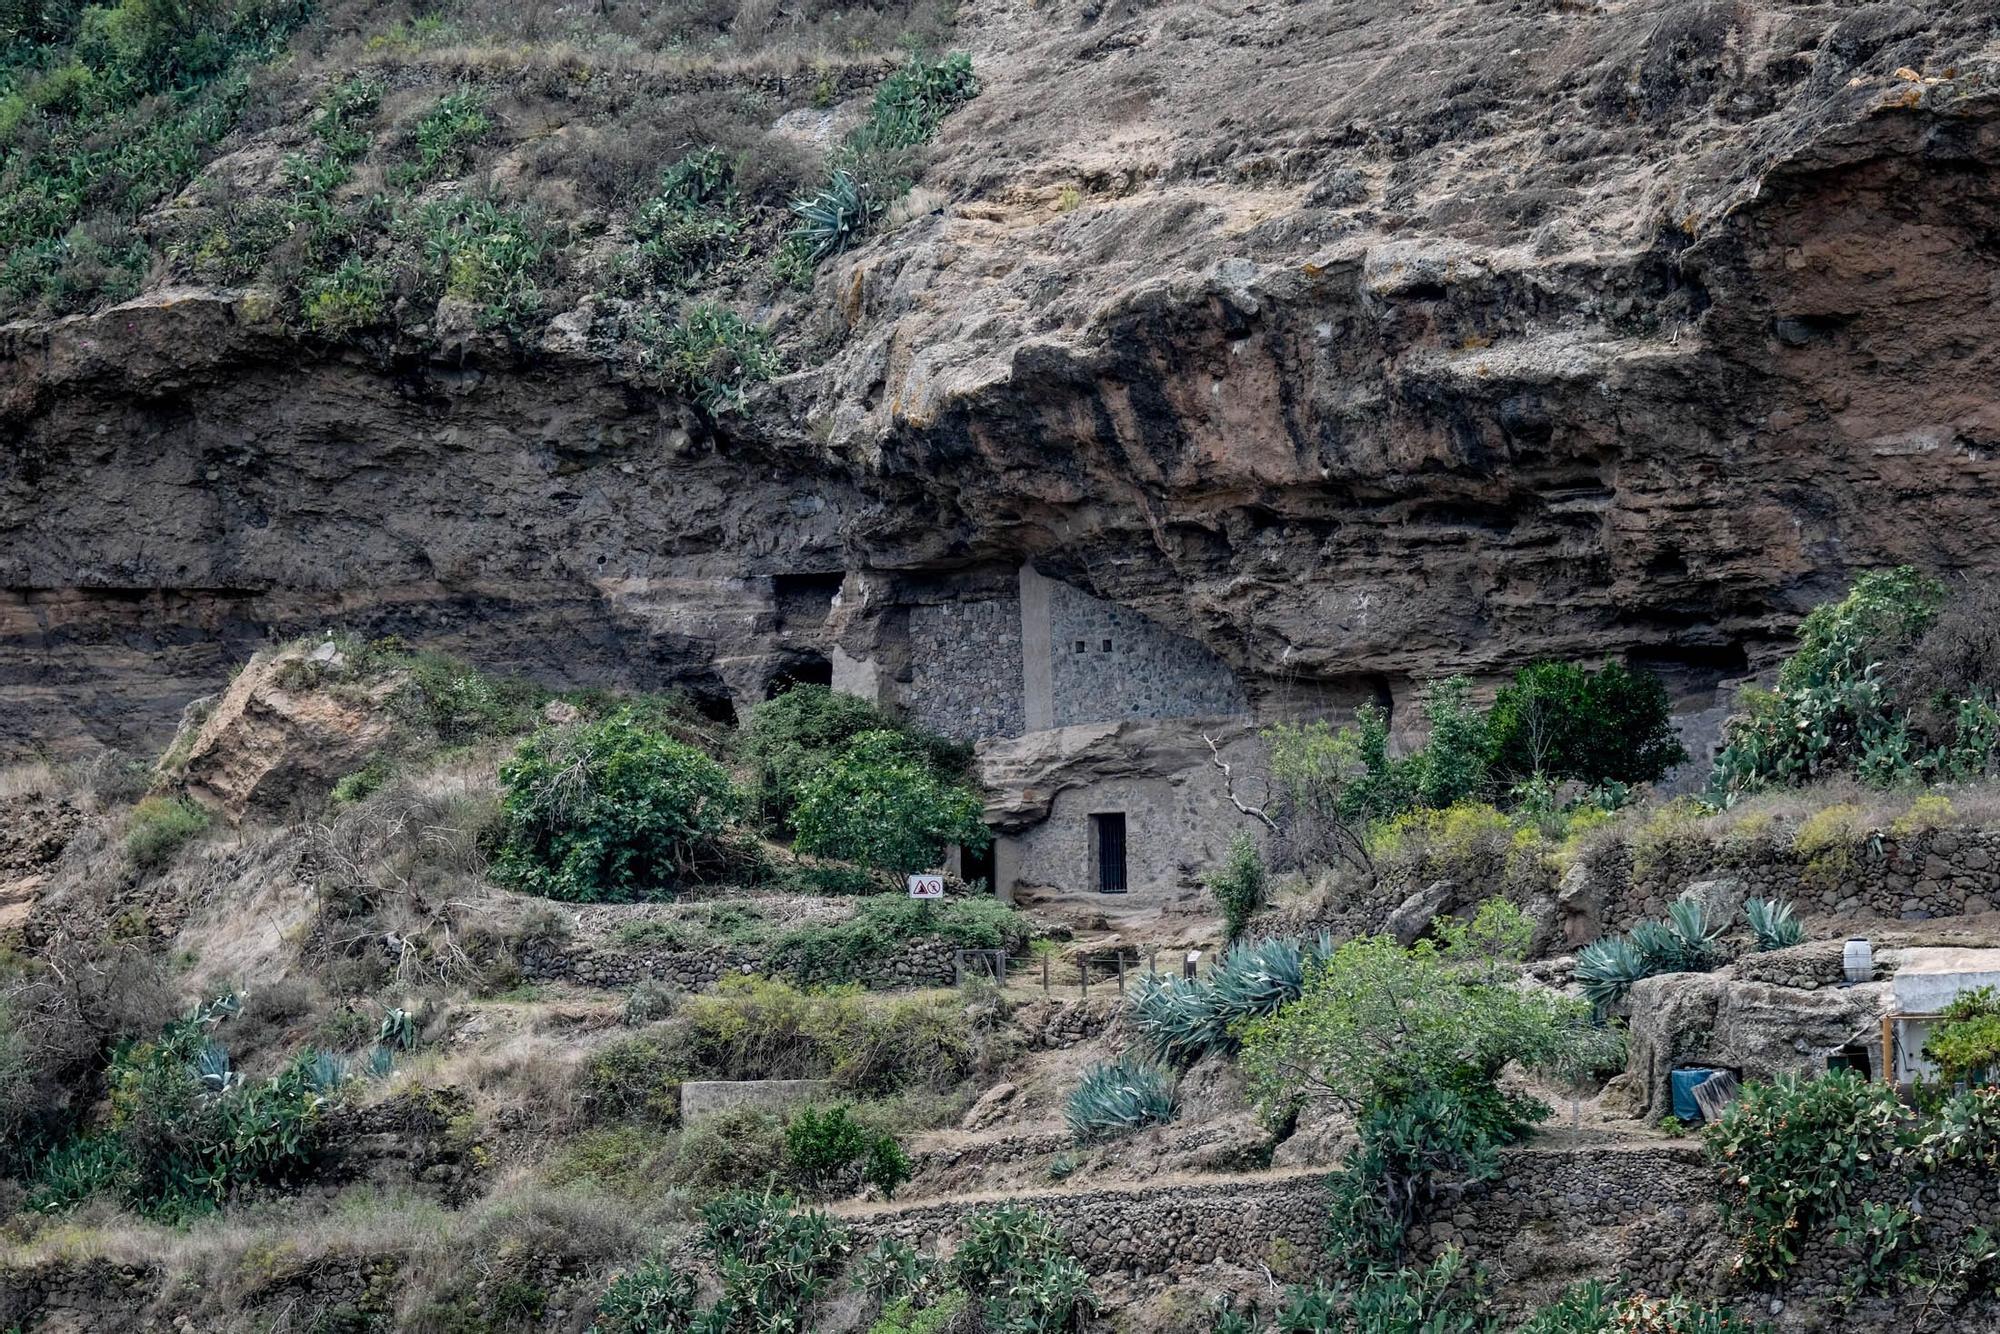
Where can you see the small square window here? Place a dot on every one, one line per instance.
(1080, 648)
(1107, 646)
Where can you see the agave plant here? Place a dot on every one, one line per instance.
(1607, 969)
(834, 217)
(1774, 923)
(323, 1071)
(1117, 1098)
(1178, 1020)
(1699, 943)
(1658, 948)
(398, 1030)
(211, 1063)
(1257, 978)
(381, 1060)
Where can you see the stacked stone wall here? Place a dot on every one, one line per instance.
(928, 961)
(965, 666)
(1913, 877)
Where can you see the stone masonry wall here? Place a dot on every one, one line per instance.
(927, 962)
(1147, 1230)
(1147, 672)
(1932, 873)
(965, 664)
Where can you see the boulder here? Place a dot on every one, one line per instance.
(1758, 1029)
(273, 740)
(1580, 902)
(1413, 915)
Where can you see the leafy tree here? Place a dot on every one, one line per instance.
(1558, 720)
(1326, 787)
(880, 802)
(790, 736)
(1452, 766)
(610, 810)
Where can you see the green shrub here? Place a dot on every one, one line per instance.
(911, 103)
(886, 1166)
(492, 258)
(1116, 1098)
(880, 802)
(1015, 1262)
(823, 1146)
(739, 1149)
(689, 228)
(1239, 884)
(185, 1130)
(610, 811)
(1793, 1153)
(637, 1077)
(442, 135)
(1965, 1044)
(775, 1263)
(363, 783)
(652, 1299)
(832, 218)
(161, 827)
(1412, 1042)
(787, 738)
(711, 354)
(1834, 706)
(1561, 721)
(352, 297)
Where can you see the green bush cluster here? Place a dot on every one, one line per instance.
(827, 1148)
(1012, 1273)
(1447, 1297)
(443, 133)
(1239, 885)
(110, 108)
(1798, 1160)
(1965, 1044)
(765, 1028)
(711, 354)
(1340, 791)
(849, 782)
(160, 827)
(1411, 1042)
(186, 1130)
(869, 172)
(776, 1262)
(1895, 683)
(691, 227)
(611, 810)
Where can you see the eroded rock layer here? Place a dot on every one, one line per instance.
(1362, 341)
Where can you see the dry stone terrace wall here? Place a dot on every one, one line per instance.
(1934, 873)
(927, 962)
(1157, 1229)
(1553, 1217)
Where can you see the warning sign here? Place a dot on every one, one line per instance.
(926, 886)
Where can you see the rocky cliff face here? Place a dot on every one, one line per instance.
(1362, 340)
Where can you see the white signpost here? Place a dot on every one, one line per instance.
(926, 886)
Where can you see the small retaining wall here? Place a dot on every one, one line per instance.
(1274, 1220)
(1933, 873)
(926, 962)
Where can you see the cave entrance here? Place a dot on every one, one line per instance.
(981, 865)
(1108, 845)
(807, 669)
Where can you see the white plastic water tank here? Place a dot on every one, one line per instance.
(1858, 959)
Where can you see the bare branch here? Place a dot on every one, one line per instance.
(1229, 788)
